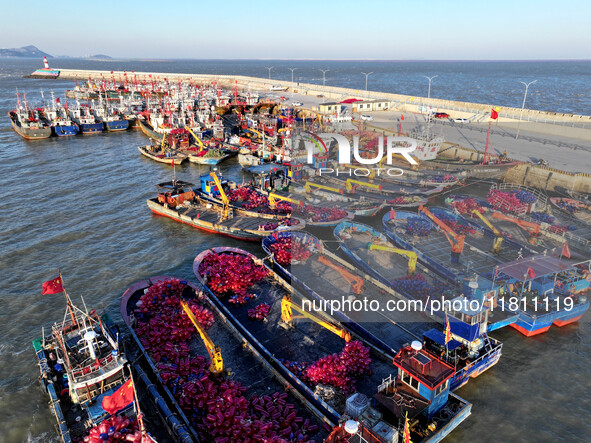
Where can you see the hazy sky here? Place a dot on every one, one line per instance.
(303, 29)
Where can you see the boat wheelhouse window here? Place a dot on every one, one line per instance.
(414, 383)
(441, 388)
(405, 378)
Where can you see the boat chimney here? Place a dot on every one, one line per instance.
(351, 427)
(45, 62)
(416, 346)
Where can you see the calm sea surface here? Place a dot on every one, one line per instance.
(79, 204)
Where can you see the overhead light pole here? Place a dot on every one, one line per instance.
(430, 80)
(324, 71)
(269, 68)
(523, 105)
(292, 69)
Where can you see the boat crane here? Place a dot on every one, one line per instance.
(225, 200)
(287, 317)
(496, 249)
(455, 240)
(274, 198)
(199, 142)
(412, 256)
(532, 228)
(355, 281)
(217, 363)
(350, 182)
(308, 187)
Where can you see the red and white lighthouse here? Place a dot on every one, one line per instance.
(45, 62)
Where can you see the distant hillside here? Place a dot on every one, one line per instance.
(26, 51)
(99, 57)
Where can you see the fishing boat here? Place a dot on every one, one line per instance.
(207, 156)
(578, 209)
(177, 200)
(381, 188)
(28, 125)
(59, 119)
(162, 155)
(86, 120)
(212, 383)
(148, 130)
(249, 160)
(338, 374)
(81, 365)
(115, 121)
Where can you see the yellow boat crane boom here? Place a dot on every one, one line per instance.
(309, 185)
(499, 240)
(201, 146)
(225, 199)
(412, 256)
(350, 182)
(162, 142)
(287, 317)
(217, 363)
(274, 198)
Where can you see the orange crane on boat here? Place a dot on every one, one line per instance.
(455, 240)
(287, 306)
(532, 228)
(355, 281)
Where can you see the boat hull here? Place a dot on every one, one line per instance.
(91, 128)
(530, 326)
(117, 125)
(66, 131)
(177, 159)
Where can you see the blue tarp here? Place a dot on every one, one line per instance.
(439, 338)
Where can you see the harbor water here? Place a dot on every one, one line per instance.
(79, 204)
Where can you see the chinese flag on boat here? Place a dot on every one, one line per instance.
(447, 330)
(172, 164)
(406, 434)
(530, 272)
(119, 399)
(566, 250)
(494, 114)
(53, 286)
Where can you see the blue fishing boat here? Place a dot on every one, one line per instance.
(87, 122)
(471, 351)
(60, 121)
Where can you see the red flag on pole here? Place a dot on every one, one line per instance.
(494, 114)
(172, 164)
(566, 250)
(530, 272)
(119, 399)
(447, 331)
(53, 286)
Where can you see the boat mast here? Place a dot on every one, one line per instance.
(68, 301)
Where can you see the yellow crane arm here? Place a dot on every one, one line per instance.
(309, 185)
(217, 363)
(287, 317)
(412, 256)
(350, 182)
(195, 137)
(498, 234)
(223, 195)
(162, 142)
(274, 198)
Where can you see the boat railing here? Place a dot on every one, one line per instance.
(493, 345)
(93, 367)
(542, 199)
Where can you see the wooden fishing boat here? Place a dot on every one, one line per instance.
(337, 375)
(81, 365)
(211, 381)
(168, 156)
(177, 200)
(147, 129)
(30, 128)
(209, 156)
(249, 160)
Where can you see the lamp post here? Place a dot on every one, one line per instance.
(430, 79)
(269, 68)
(292, 69)
(523, 105)
(367, 74)
(324, 71)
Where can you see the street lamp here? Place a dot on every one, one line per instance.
(430, 79)
(292, 69)
(367, 74)
(324, 71)
(523, 104)
(269, 68)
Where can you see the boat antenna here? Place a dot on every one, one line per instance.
(68, 300)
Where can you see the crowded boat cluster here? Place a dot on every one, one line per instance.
(464, 253)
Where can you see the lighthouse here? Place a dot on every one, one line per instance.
(45, 62)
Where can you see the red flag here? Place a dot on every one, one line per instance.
(172, 164)
(566, 250)
(530, 272)
(494, 114)
(401, 117)
(119, 399)
(53, 286)
(447, 331)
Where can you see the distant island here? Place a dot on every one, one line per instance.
(25, 52)
(99, 57)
